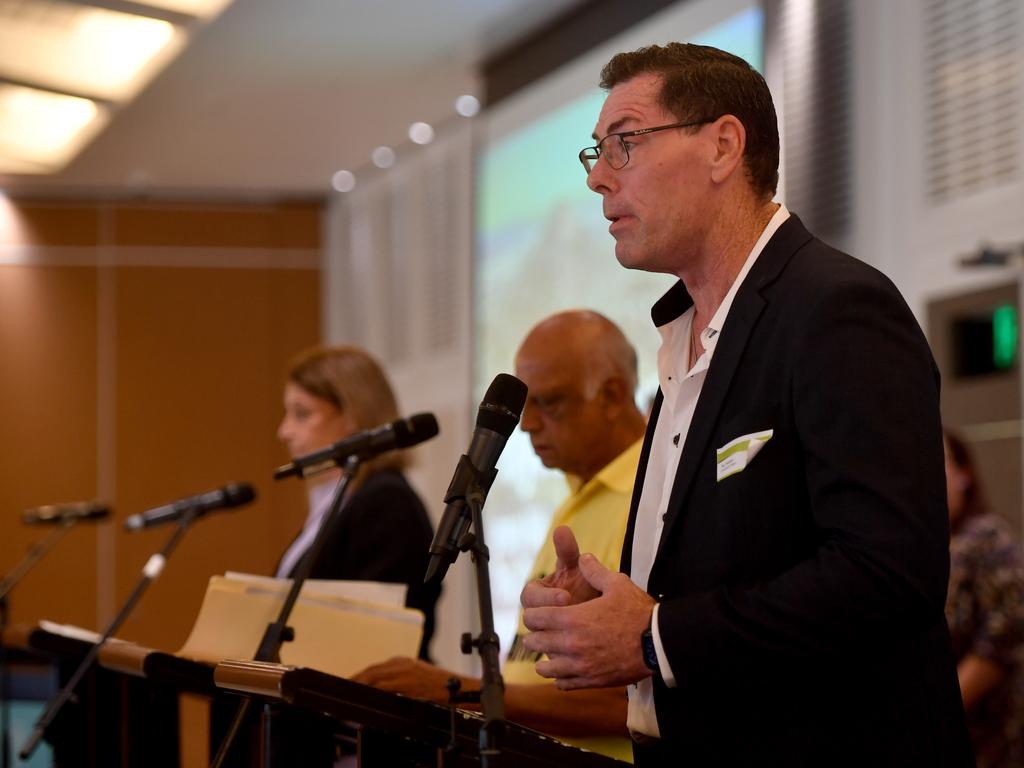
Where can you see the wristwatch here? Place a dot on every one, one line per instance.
(650, 653)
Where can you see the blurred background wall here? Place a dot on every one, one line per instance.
(144, 350)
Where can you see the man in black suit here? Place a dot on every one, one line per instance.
(787, 548)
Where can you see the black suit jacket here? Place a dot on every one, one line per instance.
(383, 534)
(802, 598)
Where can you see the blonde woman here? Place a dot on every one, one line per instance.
(383, 532)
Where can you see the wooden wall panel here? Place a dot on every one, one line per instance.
(187, 399)
(200, 355)
(53, 224)
(48, 437)
(217, 226)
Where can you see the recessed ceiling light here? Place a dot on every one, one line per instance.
(94, 58)
(421, 133)
(84, 51)
(344, 181)
(41, 131)
(383, 157)
(467, 105)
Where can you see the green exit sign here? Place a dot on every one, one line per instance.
(1005, 337)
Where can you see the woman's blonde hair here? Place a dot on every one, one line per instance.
(349, 378)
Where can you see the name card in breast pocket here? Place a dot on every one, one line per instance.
(735, 455)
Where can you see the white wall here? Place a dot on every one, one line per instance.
(396, 280)
(916, 242)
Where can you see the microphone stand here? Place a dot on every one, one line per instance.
(492, 687)
(278, 633)
(150, 573)
(36, 552)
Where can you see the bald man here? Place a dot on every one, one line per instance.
(582, 419)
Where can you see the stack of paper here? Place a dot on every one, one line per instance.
(340, 627)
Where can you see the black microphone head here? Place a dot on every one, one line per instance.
(237, 494)
(415, 429)
(502, 405)
(59, 513)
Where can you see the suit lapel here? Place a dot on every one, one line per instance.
(739, 324)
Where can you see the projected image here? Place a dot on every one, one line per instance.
(543, 246)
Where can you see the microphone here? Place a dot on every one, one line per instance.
(65, 513)
(496, 419)
(231, 495)
(403, 433)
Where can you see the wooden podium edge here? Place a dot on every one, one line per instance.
(127, 658)
(18, 636)
(259, 678)
(426, 722)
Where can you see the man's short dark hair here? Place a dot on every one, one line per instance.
(703, 82)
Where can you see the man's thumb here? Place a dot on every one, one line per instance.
(566, 548)
(596, 574)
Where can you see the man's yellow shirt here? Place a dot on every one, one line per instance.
(597, 512)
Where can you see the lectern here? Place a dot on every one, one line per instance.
(394, 730)
(115, 719)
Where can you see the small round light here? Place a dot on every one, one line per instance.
(421, 133)
(383, 157)
(467, 105)
(344, 181)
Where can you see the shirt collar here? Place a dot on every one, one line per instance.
(618, 474)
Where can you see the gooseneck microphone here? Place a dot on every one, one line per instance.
(496, 420)
(231, 495)
(63, 517)
(185, 511)
(403, 433)
(58, 514)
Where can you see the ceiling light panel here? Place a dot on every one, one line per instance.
(81, 49)
(41, 131)
(203, 9)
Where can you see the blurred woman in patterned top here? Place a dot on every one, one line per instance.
(985, 611)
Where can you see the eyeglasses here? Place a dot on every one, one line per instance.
(615, 149)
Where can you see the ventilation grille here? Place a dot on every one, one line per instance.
(396, 257)
(360, 298)
(440, 255)
(817, 61)
(405, 271)
(973, 92)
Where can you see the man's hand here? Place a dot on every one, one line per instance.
(588, 621)
(566, 585)
(412, 677)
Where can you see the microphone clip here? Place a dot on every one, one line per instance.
(468, 481)
(470, 486)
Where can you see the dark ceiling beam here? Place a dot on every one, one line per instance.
(566, 37)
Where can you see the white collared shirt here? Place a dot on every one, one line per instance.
(680, 390)
(320, 495)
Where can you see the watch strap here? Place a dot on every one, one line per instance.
(649, 651)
